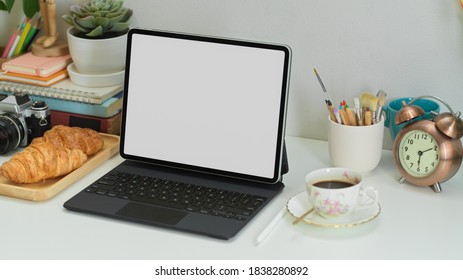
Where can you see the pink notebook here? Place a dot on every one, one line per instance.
(30, 64)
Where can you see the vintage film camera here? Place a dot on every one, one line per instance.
(21, 120)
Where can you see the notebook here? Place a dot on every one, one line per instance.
(201, 116)
(35, 80)
(30, 64)
(65, 90)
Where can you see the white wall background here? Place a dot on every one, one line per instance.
(407, 48)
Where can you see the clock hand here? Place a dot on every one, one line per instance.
(426, 150)
(420, 153)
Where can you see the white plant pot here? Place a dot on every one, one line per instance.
(97, 56)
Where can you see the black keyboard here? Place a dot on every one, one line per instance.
(177, 195)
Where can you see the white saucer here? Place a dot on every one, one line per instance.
(94, 80)
(299, 204)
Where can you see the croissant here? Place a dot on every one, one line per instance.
(41, 161)
(58, 152)
(85, 139)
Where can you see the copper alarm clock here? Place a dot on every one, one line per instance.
(428, 152)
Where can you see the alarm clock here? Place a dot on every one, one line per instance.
(428, 152)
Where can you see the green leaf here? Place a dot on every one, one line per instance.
(68, 19)
(127, 15)
(2, 6)
(104, 22)
(120, 27)
(116, 14)
(86, 22)
(95, 32)
(78, 27)
(92, 8)
(75, 9)
(6, 5)
(30, 7)
(116, 6)
(9, 5)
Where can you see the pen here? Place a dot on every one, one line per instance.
(270, 226)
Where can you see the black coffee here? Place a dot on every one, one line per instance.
(332, 184)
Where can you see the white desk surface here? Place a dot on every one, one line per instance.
(415, 223)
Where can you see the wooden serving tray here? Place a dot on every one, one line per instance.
(50, 187)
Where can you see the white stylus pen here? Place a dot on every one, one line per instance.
(271, 226)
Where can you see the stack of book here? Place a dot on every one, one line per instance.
(36, 70)
(70, 104)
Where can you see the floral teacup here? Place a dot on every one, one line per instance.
(338, 192)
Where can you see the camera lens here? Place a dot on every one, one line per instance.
(11, 133)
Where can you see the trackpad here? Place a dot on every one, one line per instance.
(148, 213)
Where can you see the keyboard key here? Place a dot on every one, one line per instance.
(112, 194)
(103, 187)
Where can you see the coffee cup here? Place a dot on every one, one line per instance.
(336, 193)
(355, 147)
(429, 107)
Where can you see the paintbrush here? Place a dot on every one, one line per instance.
(351, 117)
(381, 99)
(328, 102)
(358, 111)
(336, 114)
(369, 103)
(321, 84)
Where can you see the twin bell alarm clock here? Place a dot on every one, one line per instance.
(428, 152)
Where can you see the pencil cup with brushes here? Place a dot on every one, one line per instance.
(355, 134)
(355, 147)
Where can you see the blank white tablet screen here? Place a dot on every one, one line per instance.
(205, 104)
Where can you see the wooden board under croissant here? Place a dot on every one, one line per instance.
(49, 188)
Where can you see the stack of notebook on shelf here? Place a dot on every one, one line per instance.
(36, 70)
(70, 104)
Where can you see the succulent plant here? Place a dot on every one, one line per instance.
(99, 18)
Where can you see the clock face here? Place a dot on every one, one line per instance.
(418, 153)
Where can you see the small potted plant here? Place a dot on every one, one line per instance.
(98, 35)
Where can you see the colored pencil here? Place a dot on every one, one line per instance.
(31, 35)
(22, 38)
(10, 44)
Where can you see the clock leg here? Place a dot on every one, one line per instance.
(436, 187)
(402, 180)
